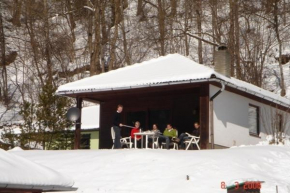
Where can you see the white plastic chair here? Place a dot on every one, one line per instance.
(175, 145)
(193, 140)
(124, 141)
(155, 143)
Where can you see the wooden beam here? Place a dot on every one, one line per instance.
(204, 116)
(77, 139)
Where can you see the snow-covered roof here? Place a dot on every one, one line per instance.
(20, 173)
(170, 69)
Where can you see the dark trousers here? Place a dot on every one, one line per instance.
(182, 137)
(117, 143)
(163, 138)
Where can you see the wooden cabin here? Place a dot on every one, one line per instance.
(174, 89)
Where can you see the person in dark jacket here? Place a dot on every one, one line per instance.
(183, 136)
(117, 126)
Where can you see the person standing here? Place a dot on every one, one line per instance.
(117, 126)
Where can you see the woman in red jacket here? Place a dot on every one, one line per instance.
(136, 129)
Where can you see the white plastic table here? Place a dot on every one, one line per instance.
(146, 134)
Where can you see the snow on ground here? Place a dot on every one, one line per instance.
(165, 171)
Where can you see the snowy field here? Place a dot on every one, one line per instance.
(166, 170)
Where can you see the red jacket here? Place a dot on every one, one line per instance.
(135, 130)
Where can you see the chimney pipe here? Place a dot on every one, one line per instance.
(222, 61)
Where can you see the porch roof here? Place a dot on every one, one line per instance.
(165, 70)
(20, 173)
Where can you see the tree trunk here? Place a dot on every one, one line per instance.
(33, 43)
(173, 5)
(105, 32)
(4, 88)
(187, 20)
(276, 27)
(115, 36)
(72, 23)
(140, 8)
(16, 13)
(96, 54)
(90, 42)
(231, 38)
(161, 27)
(237, 39)
(215, 30)
(126, 53)
(199, 29)
(47, 44)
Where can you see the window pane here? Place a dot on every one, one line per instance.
(85, 141)
(253, 120)
(279, 122)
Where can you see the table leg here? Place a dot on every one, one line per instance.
(142, 141)
(135, 142)
(146, 145)
(153, 142)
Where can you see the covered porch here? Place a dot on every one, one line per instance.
(178, 104)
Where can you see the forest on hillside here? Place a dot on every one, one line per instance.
(46, 43)
(56, 41)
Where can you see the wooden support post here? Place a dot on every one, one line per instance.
(211, 123)
(77, 140)
(204, 115)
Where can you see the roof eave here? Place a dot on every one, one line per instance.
(213, 79)
(46, 188)
(68, 92)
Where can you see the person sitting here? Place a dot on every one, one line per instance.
(168, 134)
(156, 132)
(136, 129)
(183, 136)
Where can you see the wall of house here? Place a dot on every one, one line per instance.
(94, 141)
(231, 125)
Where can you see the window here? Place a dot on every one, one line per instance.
(279, 121)
(85, 141)
(254, 120)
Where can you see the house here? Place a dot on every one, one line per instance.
(174, 89)
(20, 175)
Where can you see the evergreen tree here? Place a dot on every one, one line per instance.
(45, 123)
